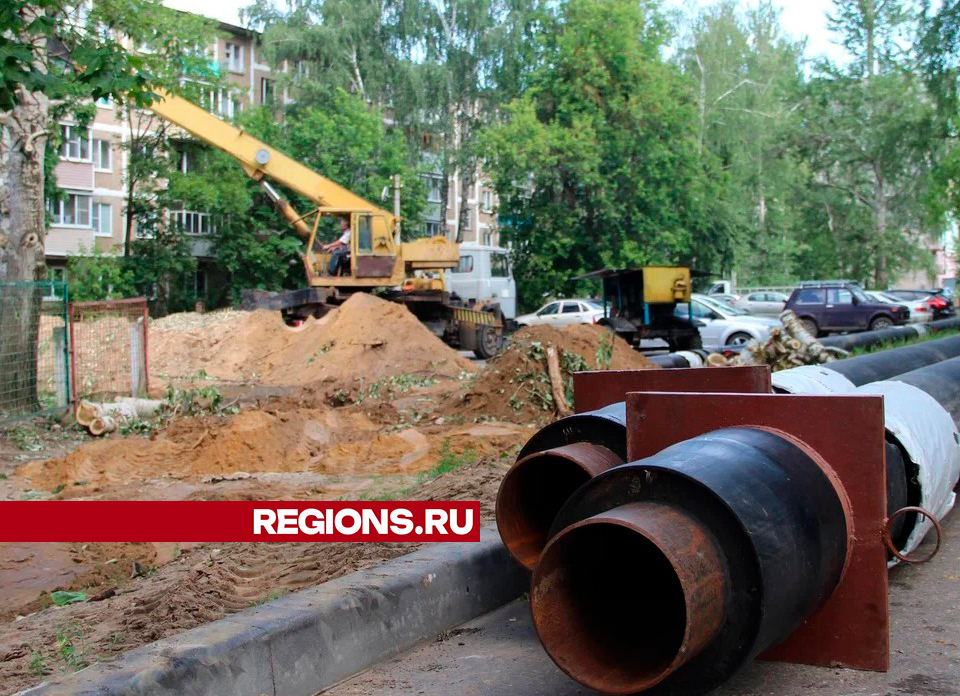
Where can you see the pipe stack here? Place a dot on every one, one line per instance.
(668, 573)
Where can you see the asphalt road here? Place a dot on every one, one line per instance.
(499, 655)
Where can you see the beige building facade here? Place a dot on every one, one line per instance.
(94, 160)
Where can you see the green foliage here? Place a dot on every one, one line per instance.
(746, 76)
(98, 276)
(70, 648)
(605, 350)
(597, 165)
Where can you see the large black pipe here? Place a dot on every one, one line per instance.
(771, 512)
(941, 381)
(894, 333)
(885, 364)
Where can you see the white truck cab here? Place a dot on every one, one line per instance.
(484, 274)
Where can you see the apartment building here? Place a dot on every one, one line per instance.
(481, 218)
(94, 159)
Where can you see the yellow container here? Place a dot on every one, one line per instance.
(666, 284)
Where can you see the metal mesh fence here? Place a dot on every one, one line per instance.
(34, 357)
(109, 348)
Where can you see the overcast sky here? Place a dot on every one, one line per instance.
(801, 19)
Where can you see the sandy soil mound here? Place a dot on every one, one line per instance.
(515, 385)
(205, 583)
(365, 340)
(319, 441)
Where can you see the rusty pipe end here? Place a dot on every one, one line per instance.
(536, 487)
(623, 599)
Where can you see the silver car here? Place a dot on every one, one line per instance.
(564, 312)
(722, 324)
(920, 312)
(766, 303)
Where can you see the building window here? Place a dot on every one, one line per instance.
(192, 222)
(488, 238)
(187, 161)
(76, 144)
(102, 155)
(486, 199)
(434, 189)
(102, 219)
(266, 90)
(227, 104)
(234, 57)
(303, 68)
(56, 274)
(433, 229)
(74, 211)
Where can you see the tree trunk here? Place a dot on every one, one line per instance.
(23, 139)
(880, 229)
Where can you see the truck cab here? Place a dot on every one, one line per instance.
(484, 275)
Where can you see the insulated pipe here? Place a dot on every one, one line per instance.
(940, 380)
(625, 595)
(841, 376)
(894, 333)
(683, 358)
(886, 364)
(556, 461)
(921, 417)
(536, 487)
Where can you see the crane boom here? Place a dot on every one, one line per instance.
(260, 160)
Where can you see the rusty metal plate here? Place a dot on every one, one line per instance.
(593, 390)
(847, 432)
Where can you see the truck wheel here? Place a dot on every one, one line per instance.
(488, 342)
(811, 326)
(881, 323)
(740, 338)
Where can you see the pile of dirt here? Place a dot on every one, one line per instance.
(323, 441)
(205, 583)
(365, 340)
(515, 385)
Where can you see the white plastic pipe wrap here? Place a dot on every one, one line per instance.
(693, 358)
(812, 379)
(928, 437)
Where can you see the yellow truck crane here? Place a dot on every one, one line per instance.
(378, 259)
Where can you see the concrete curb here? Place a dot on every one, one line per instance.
(309, 640)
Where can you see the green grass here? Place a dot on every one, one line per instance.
(449, 461)
(866, 350)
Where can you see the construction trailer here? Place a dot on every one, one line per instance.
(640, 304)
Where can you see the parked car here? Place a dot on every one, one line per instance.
(842, 307)
(938, 303)
(725, 297)
(920, 311)
(563, 312)
(722, 324)
(770, 303)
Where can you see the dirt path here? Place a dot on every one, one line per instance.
(202, 584)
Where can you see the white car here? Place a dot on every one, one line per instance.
(725, 325)
(564, 312)
(766, 303)
(920, 311)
